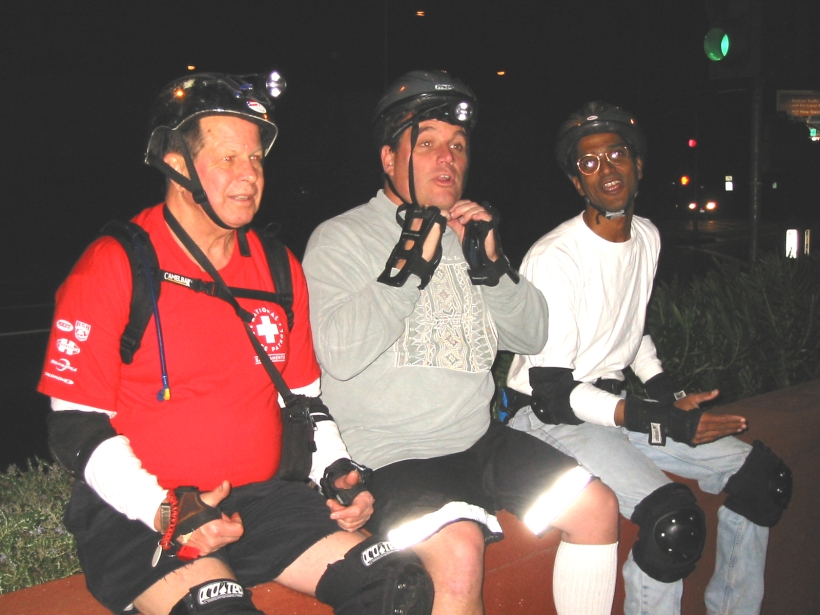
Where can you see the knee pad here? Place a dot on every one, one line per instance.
(761, 489)
(672, 533)
(374, 578)
(217, 597)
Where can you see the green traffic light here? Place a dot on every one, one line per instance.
(716, 44)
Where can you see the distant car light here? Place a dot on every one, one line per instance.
(711, 206)
(693, 206)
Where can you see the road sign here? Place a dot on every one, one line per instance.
(801, 105)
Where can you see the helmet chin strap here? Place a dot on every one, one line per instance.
(411, 180)
(609, 215)
(193, 185)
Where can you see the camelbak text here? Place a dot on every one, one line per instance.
(177, 279)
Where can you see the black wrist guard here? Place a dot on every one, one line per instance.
(482, 269)
(342, 467)
(410, 246)
(661, 421)
(193, 512)
(660, 388)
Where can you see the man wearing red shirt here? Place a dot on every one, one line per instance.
(177, 503)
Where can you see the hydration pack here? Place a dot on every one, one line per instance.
(147, 278)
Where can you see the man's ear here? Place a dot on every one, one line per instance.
(578, 186)
(177, 162)
(639, 166)
(388, 157)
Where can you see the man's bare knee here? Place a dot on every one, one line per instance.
(454, 557)
(592, 518)
(161, 597)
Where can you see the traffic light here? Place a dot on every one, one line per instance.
(732, 42)
(684, 181)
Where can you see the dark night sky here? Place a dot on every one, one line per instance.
(78, 79)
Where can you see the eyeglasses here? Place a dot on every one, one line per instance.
(589, 164)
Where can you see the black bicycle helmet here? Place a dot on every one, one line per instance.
(195, 96)
(423, 95)
(593, 118)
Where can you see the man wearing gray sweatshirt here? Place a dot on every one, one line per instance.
(406, 349)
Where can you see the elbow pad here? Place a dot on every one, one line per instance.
(551, 388)
(74, 434)
(661, 420)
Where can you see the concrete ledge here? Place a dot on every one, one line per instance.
(518, 570)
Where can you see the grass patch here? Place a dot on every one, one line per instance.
(35, 547)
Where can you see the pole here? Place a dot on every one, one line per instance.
(755, 184)
(754, 175)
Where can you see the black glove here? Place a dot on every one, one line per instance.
(342, 467)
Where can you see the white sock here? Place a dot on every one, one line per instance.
(583, 580)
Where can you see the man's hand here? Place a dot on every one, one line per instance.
(351, 518)
(694, 400)
(215, 534)
(711, 426)
(463, 212)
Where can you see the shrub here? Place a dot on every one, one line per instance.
(744, 329)
(34, 545)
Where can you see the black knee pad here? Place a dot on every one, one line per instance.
(761, 488)
(672, 533)
(375, 578)
(217, 597)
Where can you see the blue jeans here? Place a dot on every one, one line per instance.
(633, 469)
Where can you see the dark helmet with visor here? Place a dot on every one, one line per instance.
(423, 95)
(593, 118)
(189, 98)
(418, 96)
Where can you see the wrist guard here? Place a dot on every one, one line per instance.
(411, 244)
(474, 246)
(337, 469)
(661, 420)
(660, 388)
(193, 512)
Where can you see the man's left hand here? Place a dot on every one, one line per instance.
(351, 518)
(711, 426)
(694, 400)
(463, 212)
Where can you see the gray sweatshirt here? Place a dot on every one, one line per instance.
(406, 373)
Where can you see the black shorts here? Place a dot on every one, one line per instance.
(505, 470)
(282, 520)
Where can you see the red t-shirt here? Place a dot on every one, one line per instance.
(222, 420)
